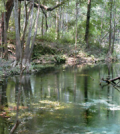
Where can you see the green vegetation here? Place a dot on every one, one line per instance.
(91, 28)
(35, 36)
(70, 32)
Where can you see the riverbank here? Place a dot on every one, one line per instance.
(47, 55)
(56, 52)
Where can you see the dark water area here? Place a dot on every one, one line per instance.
(68, 100)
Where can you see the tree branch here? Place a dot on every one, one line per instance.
(49, 8)
(45, 14)
(15, 127)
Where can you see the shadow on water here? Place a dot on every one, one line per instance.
(63, 101)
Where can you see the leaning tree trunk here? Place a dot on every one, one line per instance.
(26, 59)
(27, 14)
(29, 47)
(87, 23)
(35, 33)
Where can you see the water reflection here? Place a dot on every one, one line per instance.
(66, 100)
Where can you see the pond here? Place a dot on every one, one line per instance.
(66, 100)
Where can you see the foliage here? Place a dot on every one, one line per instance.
(60, 59)
(11, 35)
(42, 49)
(2, 9)
(67, 37)
(66, 15)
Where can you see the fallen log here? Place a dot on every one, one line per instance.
(111, 80)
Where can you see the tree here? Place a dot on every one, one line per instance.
(76, 32)
(57, 23)
(108, 58)
(110, 30)
(29, 46)
(20, 53)
(87, 22)
(17, 31)
(114, 17)
(4, 34)
(97, 23)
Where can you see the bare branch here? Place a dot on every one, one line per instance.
(49, 8)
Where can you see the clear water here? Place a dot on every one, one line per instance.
(63, 101)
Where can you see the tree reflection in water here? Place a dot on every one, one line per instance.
(68, 101)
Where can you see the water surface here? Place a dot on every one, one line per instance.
(63, 101)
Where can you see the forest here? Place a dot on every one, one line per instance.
(78, 30)
(55, 57)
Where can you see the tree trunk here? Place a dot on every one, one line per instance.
(42, 22)
(27, 14)
(0, 37)
(109, 56)
(76, 32)
(5, 49)
(19, 12)
(9, 7)
(5, 55)
(4, 26)
(29, 47)
(42, 25)
(87, 23)
(36, 25)
(18, 42)
(26, 58)
(62, 22)
(110, 30)
(57, 23)
(114, 26)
